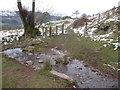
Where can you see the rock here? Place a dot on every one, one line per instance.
(64, 76)
(36, 54)
(38, 57)
(68, 58)
(31, 47)
(40, 61)
(113, 85)
(22, 63)
(74, 86)
(30, 54)
(54, 54)
(78, 75)
(36, 68)
(29, 62)
(56, 47)
(65, 51)
(26, 64)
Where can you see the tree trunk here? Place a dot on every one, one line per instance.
(28, 20)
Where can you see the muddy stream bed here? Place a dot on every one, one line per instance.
(84, 76)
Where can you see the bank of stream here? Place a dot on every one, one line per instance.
(84, 76)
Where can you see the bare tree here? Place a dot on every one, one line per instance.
(84, 15)
(28, 19)
(43, 18)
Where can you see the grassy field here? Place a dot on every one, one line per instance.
(91, 52)
(16, 75)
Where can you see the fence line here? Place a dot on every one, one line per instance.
(51, 31)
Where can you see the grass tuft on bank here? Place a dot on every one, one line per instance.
(16, 75)
(91, 52)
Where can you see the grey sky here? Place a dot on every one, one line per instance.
(63, 6)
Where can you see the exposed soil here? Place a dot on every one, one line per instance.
(27, 77)
(84, 76)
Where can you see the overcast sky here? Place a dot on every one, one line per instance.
(67, 7)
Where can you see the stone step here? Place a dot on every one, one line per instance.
(64, 76)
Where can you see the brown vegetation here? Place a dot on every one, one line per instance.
(80, 22)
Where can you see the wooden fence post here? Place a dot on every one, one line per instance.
(86, 26)
(62, 28)
(56, 30)
(99, 18)
(43, 30)
(50, 31)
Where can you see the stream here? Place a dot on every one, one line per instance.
(83, 75)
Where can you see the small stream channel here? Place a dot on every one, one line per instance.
(84, 76)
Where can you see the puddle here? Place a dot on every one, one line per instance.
(14, 53)
(83, 75)
(36, 59)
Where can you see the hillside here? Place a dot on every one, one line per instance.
(103, 27)
(88, 53)
(11, 19)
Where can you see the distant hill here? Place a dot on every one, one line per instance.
(11, 19)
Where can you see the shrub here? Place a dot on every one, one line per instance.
(47, 66)
(58, 60)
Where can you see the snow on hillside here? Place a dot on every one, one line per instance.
(109, 35)
(7, 13)
(7, 36)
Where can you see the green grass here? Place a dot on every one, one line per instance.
(2, 24)
(51, 82)
(47, 66)
(7, 80)
(91, 52)
(37, 46)
(16, 75)
(58, 60)
(54, 23)
(36, 49)
(7, 68)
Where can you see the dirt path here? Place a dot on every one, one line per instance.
(16, 75)
(84, 76)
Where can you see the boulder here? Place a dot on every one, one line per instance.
(29, 62)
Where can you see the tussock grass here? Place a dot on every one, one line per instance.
(91, 52)
(15, 75)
